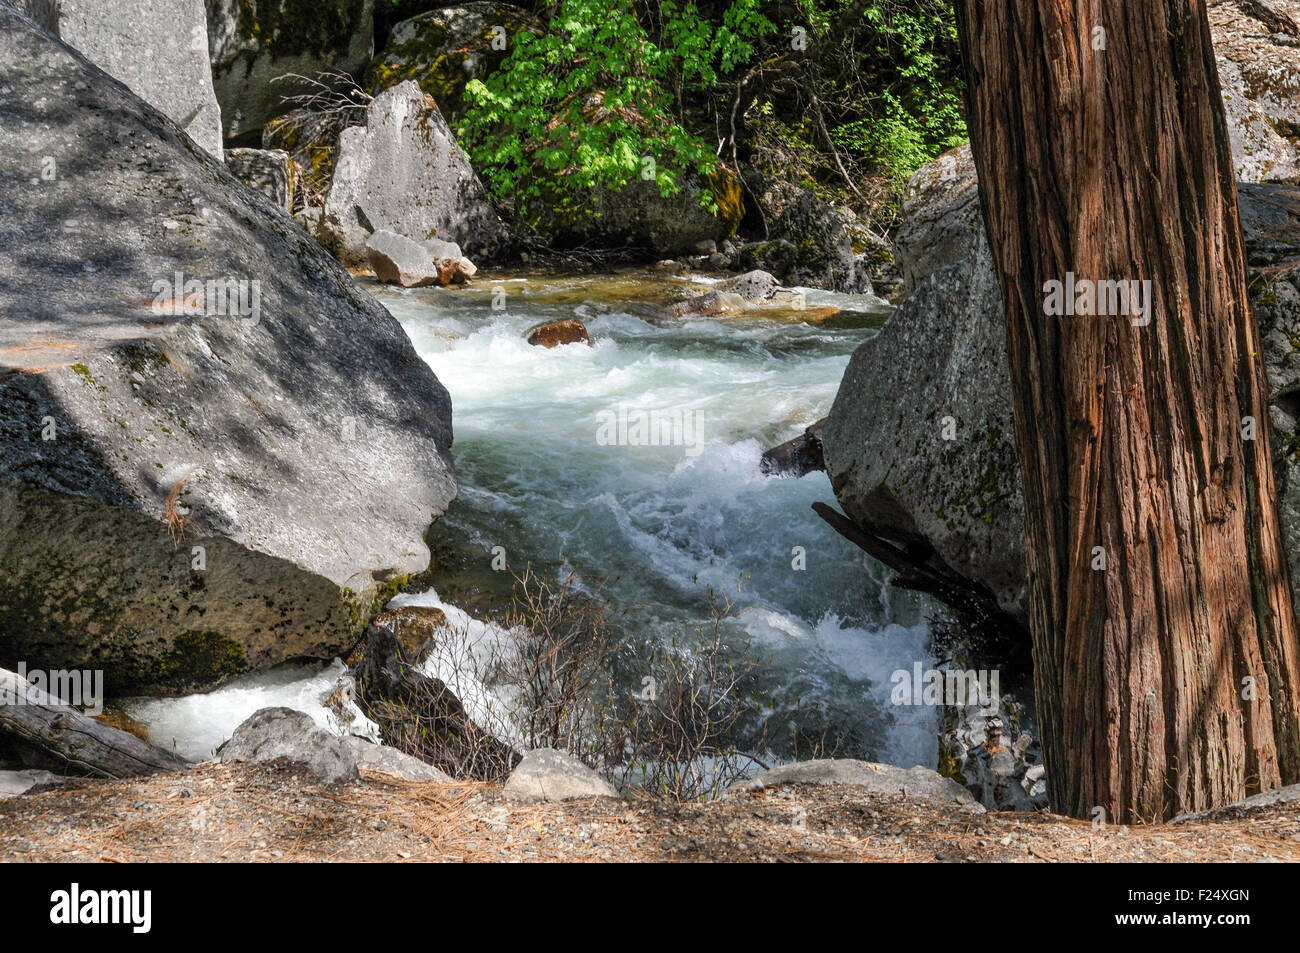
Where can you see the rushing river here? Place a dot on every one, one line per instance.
(551, 467)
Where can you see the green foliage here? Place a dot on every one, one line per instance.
(910, 65)
(597, 102)
(624, 89)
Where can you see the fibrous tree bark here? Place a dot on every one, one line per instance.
(1167, 670)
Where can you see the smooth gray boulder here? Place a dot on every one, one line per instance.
(158, 48)
(269, 171)
(404, 172)
(546, 774)
(439, 250)
(263, 51)
(872, 778)
(400, 261)
(391, 761)
(282, 734)
(195, 480)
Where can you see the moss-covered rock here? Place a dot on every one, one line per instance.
(444, 49)
(1257, 48)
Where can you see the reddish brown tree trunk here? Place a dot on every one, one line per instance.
(1104, 154)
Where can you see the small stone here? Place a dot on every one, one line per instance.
(557, 333)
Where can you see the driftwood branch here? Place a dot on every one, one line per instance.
(83, 744)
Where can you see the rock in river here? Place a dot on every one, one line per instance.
(405, 172)
(556, 333)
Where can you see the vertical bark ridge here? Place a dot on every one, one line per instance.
(1113, 164)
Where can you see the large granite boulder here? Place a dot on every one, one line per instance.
(1257, 47)
(216, 450)
(444, 49)
(920, 444)
(158, 48)
(264, 51)
(941, 216)
(404, 172)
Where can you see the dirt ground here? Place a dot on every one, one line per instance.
(268, 813)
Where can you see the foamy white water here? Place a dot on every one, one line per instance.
(662, 522)
(196, 725)
(539, 477)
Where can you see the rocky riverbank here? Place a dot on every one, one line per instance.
(243, 813)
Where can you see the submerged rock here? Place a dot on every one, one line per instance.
(216, 450)
(557, 333)
(546, 774)
(710, 304)
(404, 172)
(149, 46)
(282, 734)
(259, 48)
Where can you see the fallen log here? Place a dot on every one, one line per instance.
(82, 744)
